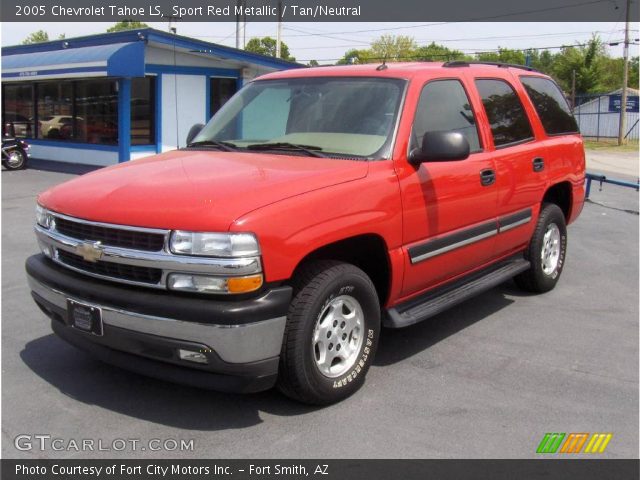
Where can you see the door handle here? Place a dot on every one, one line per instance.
(487, 177)
(538, 164)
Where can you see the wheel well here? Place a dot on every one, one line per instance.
(560, 194)
(367, 252)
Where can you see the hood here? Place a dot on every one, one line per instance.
(195, 190)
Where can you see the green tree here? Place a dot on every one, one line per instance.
(504, 55)
(36, 37)
(633, 72)
(438, 53)
(393, 48)
(588, 63)
(313, 63)
(355, 56)
(126, 25)
(267, 46)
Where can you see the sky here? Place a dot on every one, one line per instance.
(327, 42)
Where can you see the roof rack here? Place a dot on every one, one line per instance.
(464, 63)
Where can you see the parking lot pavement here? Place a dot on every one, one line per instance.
(612, 162)
(486, 379)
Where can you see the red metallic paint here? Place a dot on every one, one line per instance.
(298, 204)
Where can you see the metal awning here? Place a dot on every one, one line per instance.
(115, 60)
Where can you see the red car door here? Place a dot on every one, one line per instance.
(449, 207)
(519, 158)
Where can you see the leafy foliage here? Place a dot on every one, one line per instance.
(126, 25)
(267, 46)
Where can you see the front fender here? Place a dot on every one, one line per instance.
(291, 229)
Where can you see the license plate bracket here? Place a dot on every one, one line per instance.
(85, 317)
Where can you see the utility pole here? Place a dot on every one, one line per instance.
(238, 4)
(622, 126)
(279, 32)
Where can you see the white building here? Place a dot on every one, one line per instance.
(600, 116)
(109, 98)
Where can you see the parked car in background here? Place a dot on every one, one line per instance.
(16, 125)
(315, 207)
(51, 126)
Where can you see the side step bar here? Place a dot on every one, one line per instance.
(434, 302)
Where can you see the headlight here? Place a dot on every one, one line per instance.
(187, 282)
(44, 217)
(214, 244)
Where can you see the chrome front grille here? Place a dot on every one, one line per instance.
(120, 271)
(117, 237)
(130, 255)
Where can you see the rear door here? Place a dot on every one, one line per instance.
(519, 161)
(449, 213)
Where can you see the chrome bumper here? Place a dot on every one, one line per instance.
(244, 343)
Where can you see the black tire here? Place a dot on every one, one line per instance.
(316, 287)
(17, 160)
(536, 279)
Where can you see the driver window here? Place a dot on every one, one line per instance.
(444, 106)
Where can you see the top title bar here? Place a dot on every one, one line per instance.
(315, 10)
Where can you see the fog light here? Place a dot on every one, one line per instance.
(189, 356)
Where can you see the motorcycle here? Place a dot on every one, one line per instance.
(14, 153)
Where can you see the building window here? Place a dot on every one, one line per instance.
(83, 111)
(222, 89)
(96, 112)
(142, 111)
(17, 111)
(55, 110)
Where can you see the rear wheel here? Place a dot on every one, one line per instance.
(546, 251)
(331, 335)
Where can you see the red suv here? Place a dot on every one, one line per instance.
(315, 207)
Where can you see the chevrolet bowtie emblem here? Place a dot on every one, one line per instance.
(90, 251)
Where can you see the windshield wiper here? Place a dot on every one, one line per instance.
(310, 150)
(226, 146)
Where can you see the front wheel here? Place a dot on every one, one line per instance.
(331, 334)
(546, 252)
(15, 159)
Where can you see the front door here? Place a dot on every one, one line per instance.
(449, 207)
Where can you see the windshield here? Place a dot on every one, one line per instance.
(329, 116)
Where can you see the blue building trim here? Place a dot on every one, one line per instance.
(145, 35)
(143, 148)
(124, 119)
(74, 145)
(38, 74)
(208, 97)
(158, 112)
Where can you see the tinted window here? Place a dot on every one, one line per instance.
(551, 105)
(55, 109)
(17, 110)
(222, 89)
(142, 111)
(444, 107)
(508, 120)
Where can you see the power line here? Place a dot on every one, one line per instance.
(413, 57)
(506, 37)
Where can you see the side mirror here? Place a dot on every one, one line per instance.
(194, 131)
(440, 147)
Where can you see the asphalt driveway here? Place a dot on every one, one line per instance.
(485, 379)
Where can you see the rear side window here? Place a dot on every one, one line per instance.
(551, 105)
(444, 106)
(508, 120)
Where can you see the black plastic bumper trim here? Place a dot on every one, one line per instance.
(270, 304)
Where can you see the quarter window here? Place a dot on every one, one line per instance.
(551, 105)
(508, 120)
(444, 107)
